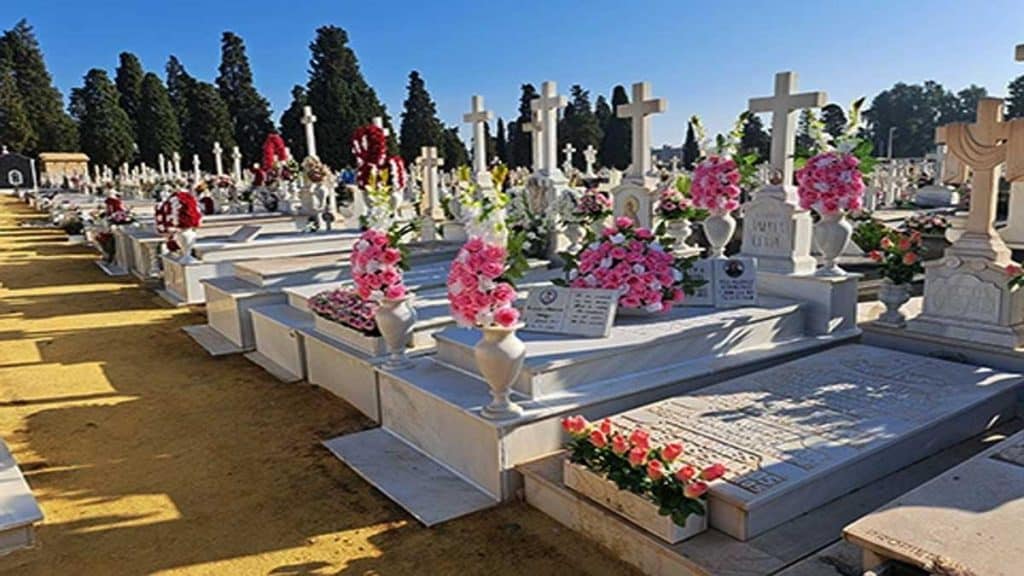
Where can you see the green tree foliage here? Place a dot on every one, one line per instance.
(104, 128)
(603, 112)
(804, 140)
(1015, 98)
(420, 124)
(501, 143)
(617, 144)
(579, 126)
(915, 110)
(834, 118)
(755, 139)
(691, 148)
(292, 129)
(128, 79)
(209, 121)
(519, 149)
(453, 150)
(339, 95)
(15, 127)
(250, 112)
(159, 132)
(178, 84)
(54, 129)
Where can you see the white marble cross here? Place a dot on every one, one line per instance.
(478, 117)
(783, 106)
(162, 162)
(218, 158)
(195, 167)
(379, 123)
(176, 160)
(535, 128)
(639, 111)
(431, 162)
(675, 164)
(547, 105)
(569, 150)
(236, 163)
(590, 157)
(308, 120)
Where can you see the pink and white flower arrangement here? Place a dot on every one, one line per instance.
(477, 294)
(631, 260)
(630, 460)
(674, 202)
(377, 267)
(593, 206)
(346, 306)
(830, 183)
(716, 184)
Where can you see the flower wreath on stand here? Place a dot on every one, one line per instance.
(180, 211)
(830, 182)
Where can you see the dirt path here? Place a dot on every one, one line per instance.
(150, 457)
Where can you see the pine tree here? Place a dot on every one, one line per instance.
(209, 121)
(178, 85)
(755, 139)
(104, 128)
(159, 132)
(519, 149)
(603, 112)
(54, 129)
(15, 128)
(834, 118)
(292, 129)
(501, 143)
(804, 140)
(579, 126)
(420, 125)
(1015, 98)
(691, 148)
(128, 79)
(339, 95)
(250, 112)
(453, 150)
(617, 145)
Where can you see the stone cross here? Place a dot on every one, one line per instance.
(162, 162)
(535, 128)
(236, 164)
(590, 157)
(308, 120)
(379, 123)
(675, 164)
(639, 111)
(431, 162)
(478, 117)
(176, 160)
(569, 150)
(218, 158)
(783, 105)
(195, 166)
(547, 105)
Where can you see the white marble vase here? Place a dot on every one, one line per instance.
(499, 357)
(680, 231)
(186, 242)
(395, 318)
(575, 233)
(893, 296)
(831, 235)
(719, 228)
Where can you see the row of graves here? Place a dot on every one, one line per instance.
(695, 414)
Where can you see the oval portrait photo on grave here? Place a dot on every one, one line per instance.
(548, 296)
(734, 268)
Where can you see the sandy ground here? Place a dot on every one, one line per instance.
(150, 457)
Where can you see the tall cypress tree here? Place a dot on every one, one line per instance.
(617, 145)
(250, 112)
(340, 95)
(501, 143)
(178, 84)
(42, 102)
(15, 127)
(104, 128)
(603, 112)
(755, 139)
(209, 121)
(159, 132)
(292, 129)
(420, 125)
(691, 148)
(453, 150)
(579, 126)
(519, 141)
(128, 79)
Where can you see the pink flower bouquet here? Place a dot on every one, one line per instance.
(716, 185)
(377, 267)
(593, 206)
(476, 292)
(830, 183)
(347, 307)
(631, 260)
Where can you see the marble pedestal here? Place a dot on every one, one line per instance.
(434, 406)
(777, 233)
(830, 303)
(1013, 232)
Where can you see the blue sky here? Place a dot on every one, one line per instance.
(704, 57)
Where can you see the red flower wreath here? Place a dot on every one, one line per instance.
(178, 212)
(274, 151)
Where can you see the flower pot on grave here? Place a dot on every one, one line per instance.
(831, 235)
(186, 242)
(893, 296)
(718, 229)
(395, 319)
(574, 232)
(934, 245)
(499, 357)
(680, 231)
(633, 507)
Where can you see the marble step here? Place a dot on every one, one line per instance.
(19, 512)
(650, 347)
(279, 343)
